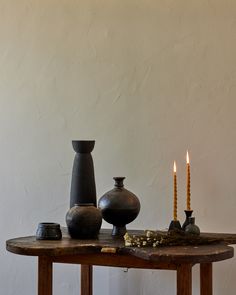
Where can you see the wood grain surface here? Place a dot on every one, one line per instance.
(177, 254)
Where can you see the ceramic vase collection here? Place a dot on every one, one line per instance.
(118, 206)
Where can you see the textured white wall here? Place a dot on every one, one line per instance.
(147, 80)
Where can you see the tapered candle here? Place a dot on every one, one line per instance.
(175, 193)
(188, 183)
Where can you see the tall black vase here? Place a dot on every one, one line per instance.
(83, 188)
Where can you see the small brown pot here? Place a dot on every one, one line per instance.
(84, 221)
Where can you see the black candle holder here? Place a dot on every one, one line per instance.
(188, 214)
(175, 225)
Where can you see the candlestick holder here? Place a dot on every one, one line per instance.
(175, 225)
(188, 214)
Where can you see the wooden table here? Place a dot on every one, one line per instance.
(107, 251)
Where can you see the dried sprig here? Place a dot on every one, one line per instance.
(173, 238)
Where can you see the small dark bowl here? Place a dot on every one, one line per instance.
(48, 231)
(83, 146)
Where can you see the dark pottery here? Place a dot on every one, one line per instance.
(192, 228)
(84, 221)
(83, 188)
(119, 207)
(48, 231)
(175, 225)
(188, 214)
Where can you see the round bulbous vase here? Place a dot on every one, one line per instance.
(119, 207)
(192, 228)
(83, 188)
(84, 221)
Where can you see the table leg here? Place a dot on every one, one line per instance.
(184, 279)
(86, 279)
(206, 279)
(44, 276)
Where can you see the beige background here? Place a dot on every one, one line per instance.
(148, 80)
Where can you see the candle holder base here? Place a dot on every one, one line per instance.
(175, 225)
(188, 214)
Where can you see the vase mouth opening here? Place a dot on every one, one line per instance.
(48, 224)
(84, 205)
(83, 140)
(83, 146)
(119, 181)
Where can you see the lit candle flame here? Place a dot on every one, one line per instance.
(174, 167)
(187, 158)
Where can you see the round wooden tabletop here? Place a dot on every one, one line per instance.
(67, 246)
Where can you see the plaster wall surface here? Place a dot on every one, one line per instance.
(147, 80)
